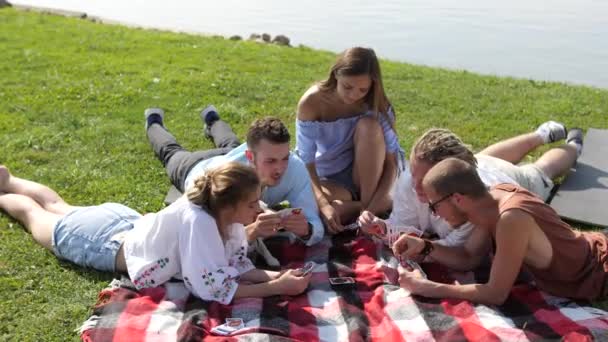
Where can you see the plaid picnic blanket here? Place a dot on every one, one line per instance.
(371, 310)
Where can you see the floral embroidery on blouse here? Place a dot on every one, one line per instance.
(146, 278)
(240, 261)
(187, 282)
(218, 291)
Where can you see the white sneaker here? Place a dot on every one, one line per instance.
(551, 131)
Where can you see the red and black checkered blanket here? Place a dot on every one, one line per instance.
(371, 310)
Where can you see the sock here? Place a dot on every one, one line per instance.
(154, 118)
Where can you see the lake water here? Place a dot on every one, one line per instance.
(554, 40)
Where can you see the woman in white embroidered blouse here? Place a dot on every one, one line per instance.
(200, 238)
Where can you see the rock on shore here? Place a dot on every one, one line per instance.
(266, 38)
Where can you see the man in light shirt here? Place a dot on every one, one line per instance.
(283, 175)
(495, 164)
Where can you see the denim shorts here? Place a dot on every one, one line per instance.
(90, 236)
(344, 178)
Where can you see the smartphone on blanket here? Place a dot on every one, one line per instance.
(341, 281)
(231, 326)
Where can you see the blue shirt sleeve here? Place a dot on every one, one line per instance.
(306, 141)
(390, 136)
(300, 195)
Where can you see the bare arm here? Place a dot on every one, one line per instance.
(465, 257)
(329, 215)
(259, 276)
(289, 283)
(462, 258)
(308, 110)
(259, 290)
(513, 233)
(316, 185)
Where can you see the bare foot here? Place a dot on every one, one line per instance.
(5, 175)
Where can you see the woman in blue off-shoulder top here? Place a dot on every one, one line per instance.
(345, 135)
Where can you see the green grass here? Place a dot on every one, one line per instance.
(72, 96)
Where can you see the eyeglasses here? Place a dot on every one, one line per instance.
(433, 205)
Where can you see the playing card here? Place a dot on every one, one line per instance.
(391, 275)
(391, 236)
(393, 233)
(376, 229)
(412, 265)
(283, 213)
(410, 230)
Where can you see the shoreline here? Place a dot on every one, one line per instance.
(260, 38)
(108, 21)
(101, 20)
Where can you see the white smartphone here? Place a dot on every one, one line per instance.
(307, 268)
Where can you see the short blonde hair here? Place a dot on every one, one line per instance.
(454, 175)
(437, 144)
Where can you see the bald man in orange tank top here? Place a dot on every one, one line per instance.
(526, 233)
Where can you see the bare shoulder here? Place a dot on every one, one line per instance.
(515, 221)
(311, 104)
(514, 216)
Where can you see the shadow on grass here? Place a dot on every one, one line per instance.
(88, 273)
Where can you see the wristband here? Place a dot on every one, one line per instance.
(310, 229)
(428, 248)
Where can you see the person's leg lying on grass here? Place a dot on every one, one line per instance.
(111, 237)
(558, 161)
(218, 130)
(515, 149)
(177, 160)
(46, 197)
(538, 176)
(38, 221)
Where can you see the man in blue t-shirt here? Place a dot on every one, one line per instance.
(283, 175)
